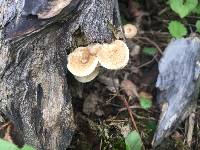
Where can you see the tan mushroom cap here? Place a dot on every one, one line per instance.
(94, 48)
(130, 30)
(114, 56)
(81, 63)
(89, 77)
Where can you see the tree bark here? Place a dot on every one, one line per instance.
(33, 58)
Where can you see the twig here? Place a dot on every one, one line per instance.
(155, 32)
(131, 115)
(131, 107)
(129, 111)
(190, 128)
(152, 42)
(163, 11)
(145, 64)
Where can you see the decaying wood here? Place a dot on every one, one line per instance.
(178, 83)
(33, 57)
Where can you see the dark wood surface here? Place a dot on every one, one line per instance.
(178, 83)
(33, 58)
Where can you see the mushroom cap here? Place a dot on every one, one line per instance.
(114, 56)
(89, 77)
(81, 63)
(130, 31)
(94, 48)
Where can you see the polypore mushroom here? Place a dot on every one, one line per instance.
(113, 56)
(130, 31)
(81, 63)
(89, 77)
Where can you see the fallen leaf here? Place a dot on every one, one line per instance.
(99, 112)
(146, 95)
(90, 104)
(129, 88)
(134, 48)
(135, 51)
(111, 84)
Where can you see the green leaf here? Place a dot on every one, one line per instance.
(27, 147)
(118, 143)
(149, 51)
(197, 10)
(198, 25)
(191, 4)
(5, 145)
(183, 7)
(177, 29)
(145, 103)
(133, 141)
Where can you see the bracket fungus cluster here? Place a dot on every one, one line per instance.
(84, 62)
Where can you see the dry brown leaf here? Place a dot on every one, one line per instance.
(90, 104)
(146, 95)
(111, 84)
(129, 88)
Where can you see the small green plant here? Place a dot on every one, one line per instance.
(198, 26)
(151, 51)
(196, 10)
(177, 29)
(151, 126)
(183, 8)
(5, 145)
(145, 103)
(133, 141)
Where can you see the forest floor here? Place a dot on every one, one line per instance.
(100, 106)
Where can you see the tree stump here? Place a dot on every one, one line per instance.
(33, 58)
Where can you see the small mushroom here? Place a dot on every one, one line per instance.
(130, 31)
(81, 63)
(89, 77)
(113, 56)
